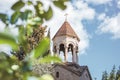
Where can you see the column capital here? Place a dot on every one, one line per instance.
(66, 46)
(57, 47)
(74, 47)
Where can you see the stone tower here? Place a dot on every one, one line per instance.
(66, 41)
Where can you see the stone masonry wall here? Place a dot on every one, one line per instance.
(64, 74)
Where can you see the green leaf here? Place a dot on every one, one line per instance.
(15, 17)
(41, 48)
(21, 33)
(38, 9)
(49, 58)
(60, 4)
(18, 5)
(3, 56)
(42, 13)
(8, 39)
(47, 15)
(37, 19)
(22, 37)
(39, 3)
(29, 30)
(29, 2)
(3, 17)
(24, 15)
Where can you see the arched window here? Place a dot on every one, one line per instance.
(55, 50)
(70, 48)
(62, 48)
(57, 74)
(76, 49)
(70, 52)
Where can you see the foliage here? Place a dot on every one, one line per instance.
(8, 39)
(105, 75)
(31, 44)
(11, 68)
(113, 75)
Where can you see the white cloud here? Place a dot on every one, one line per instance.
(5, 5)
(83, 10)
(97, 2)
(118, 4)
(101, 16)
(111, 25)
(2, 26)
(74, 18)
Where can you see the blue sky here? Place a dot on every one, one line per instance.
(104, 48)
(97, 23)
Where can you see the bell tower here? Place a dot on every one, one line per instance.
(66, 41)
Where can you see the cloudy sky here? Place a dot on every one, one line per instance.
(97, 23)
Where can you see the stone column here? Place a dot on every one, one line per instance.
(74, 55)
(65, 54)
(58, 51)
(77, 51)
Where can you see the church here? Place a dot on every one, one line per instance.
(65, 42)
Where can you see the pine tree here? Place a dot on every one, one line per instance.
(105, 75)
(118, 74)
(112, 74)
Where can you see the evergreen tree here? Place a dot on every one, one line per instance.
(118, 74)
(105, 75)
(112, 74)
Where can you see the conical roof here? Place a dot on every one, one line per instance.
(66, 29)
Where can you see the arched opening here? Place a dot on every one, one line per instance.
(76, 49)
(57, 74)
(62, 51)
(70, 52)
(70, 48)
(62, 48)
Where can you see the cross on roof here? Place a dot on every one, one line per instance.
(66, 16)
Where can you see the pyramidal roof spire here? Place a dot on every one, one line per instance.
(66, 29)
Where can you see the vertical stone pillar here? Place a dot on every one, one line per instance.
(74, 55)
(58, 51)
(65, 54)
